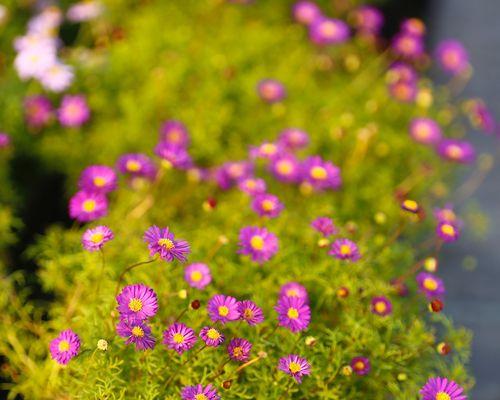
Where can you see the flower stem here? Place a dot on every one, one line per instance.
(130, 267)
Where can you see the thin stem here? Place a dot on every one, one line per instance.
(271, 333)
(195, 354)
(130, 267)
(103, 263)
(220, 370)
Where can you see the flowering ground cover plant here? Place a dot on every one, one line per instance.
(259, 194)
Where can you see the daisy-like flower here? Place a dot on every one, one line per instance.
(271, 90)
(293, 313)
(410, 206)
(84, 11)
(305, 12)
(408, 45)
(252, 186)
(136, 332)
(65, 346)
(4, 140)
(404, 91)
(430, 285)
(442, 389)
(223, 308)
(173, 155)
(175, 133)
(360, 365)
(381, 306)
(38, 111)
(197, 275)
(250, 312)
(294, 289)
(73, 111)
(88, 206)
(230, 173)
(57, 78)
(452, 56)
(93, 239)
(448, 231)
(267, 205)
(98, 178)
(137, 302)
(401, 71)
(413, 26)
(369, 19)
(179, 337)
(328, 31)
(212, 336)
(321, 174)
(293, 139)
(199, 392)
(295, 366)
(447, 214)
(345, 249)
(286, 168)
(137, 165)
(266, 150)
(325, 226)
(162, 242)
(239, 349)
(425, 131)
(458, 151)
(258, 243)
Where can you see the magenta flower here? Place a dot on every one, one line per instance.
(458, 151)
(174, 155)
(252, 186)
(360, 365)
(447, 214)
(98, 178)
(381, 306)
(430, 285)
(442, 389)
(179, 337)
(404, 91)
(162, 242)
(293, 139)
(250, 312)
(174, 132)
(239, 349)
(258, 243)
(401, 71)
(137, 302)
(425, 131)
(137, 165)
(211, 336)
(345, 249)
(93, 239)
(286, 168)
(199, 392)
(369, 19)
(267, 205)
(413, 26)
(328, 31)
(38, 111)
(136, 332)
(4, 140)
(295, 366)
(271, 90)
(88, 206)
(294, 289)
(65, 346)
(197, 275)
(481, 117)
(223, 308)
(325, 226)
(266, 150)
(293, 313)
(448, 231)
(73, 111)
(230, 173)
(452, 56)
(305, 12)
(321, 174)
(407, 45)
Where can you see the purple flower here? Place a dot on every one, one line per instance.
(162, 242)
(88, 206)
(230, 173)
(447, 214)
(73, 111)
(137, 302)
(381, 306)
(345, 249)
(179, 337)
(369, 19)
(293, 313)
(293, 139)
(98, 178)
(38, 111)
(328, 31)
(223, 308)
(408, 45)
(252, 186)
(4, 140)
(458, 151)
(430, 285)
(174, 132)
(137, 165)
(250, 312)
(480, 116)
(65, 346)
(93, 239)
(258, 243)
(239, 349)
(321, 174)
(404, 91)
(197, 275)
(136, 332)
(360, 365)
(267, 205)
(294, 289)
(452, 56)
(266, 150)
(425, 131)
(442, 389)
(413, 26)
(401, 71)
(295, 366)
(286, 168)
(325, 226)
(271, 90)
(84, 11)
(305, 12)
(199, 392)
(211, 336)
(173, 155)
(448, 231)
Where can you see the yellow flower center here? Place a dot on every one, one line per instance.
(380, 307)
(294, 367)
(422, 131)
(402, 91)
(430, 284)
(237, 352)
(235, 171)
(442, 396)
(267, 205)
(359, 366)
(411, 205)
(319, 173)
(451, 58)
(97, 237)
(268, 149)
(99, 181)
(133, 166)
(178, 338)
(328, 28)
(269, 91)
(135, 305)
(257, 242)
(345, 250)
(248, 314)
(292, 313)
(89, 205)
(407, 44)
(137, 331)
(213, 334)
(200, 397)
(166, 243)
(223, 311)
(284, 167)
(292, 293)
(196, 276)
(454, 151)
(251, 184)
(174, 136)
(448, 229)
(63, 345)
